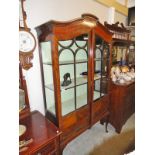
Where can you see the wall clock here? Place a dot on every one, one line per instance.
(27, 41)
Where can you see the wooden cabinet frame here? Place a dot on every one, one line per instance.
(84, 117)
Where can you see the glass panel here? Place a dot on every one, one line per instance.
(131, 58)
(104, 74)
(66, 62)
(114, 56)
(81, 95)
(66, 55)
(72, 63)
(48, 76)
(67, 99)
(65, 44)
(98, 53)
(46, 52)
(81, 67)
(104, 86)
(67, 76)
(68, 69)
(49, 100)
(21, 99)
(96, 89)
(100, 67)
(81, 79)
(81, 73)
(81, 90)
(119, 55)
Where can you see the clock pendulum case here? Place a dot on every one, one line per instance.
(27, 41)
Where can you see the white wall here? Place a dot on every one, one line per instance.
(41, 11)
(121, 18)
(131, 3)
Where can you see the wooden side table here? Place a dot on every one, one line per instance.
(45, 135)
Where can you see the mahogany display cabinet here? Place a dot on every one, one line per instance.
(75, 64)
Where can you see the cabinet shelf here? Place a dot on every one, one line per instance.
(97, 59)
(68, 62)
(71, 62)
(79, 81)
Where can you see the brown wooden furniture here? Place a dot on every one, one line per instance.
(122, 96)
(122, 44)
(22, 85)
(79, 49)
(122, 103)
(45, 135)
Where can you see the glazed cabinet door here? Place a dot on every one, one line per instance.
(73, 69)
(73, 58)
(47, 76)
(100, 79)
(101, 61)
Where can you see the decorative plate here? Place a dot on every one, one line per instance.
(22, 129)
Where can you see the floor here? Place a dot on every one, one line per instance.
(84, 143)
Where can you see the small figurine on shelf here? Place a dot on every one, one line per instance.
(67, 79)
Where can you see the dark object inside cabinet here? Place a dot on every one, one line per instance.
(75, 47)
(67, 79)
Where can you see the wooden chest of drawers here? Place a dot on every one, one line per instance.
(122, 104)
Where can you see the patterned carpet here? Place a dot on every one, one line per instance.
(92, 138)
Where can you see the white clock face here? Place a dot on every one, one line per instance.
(26, 41)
